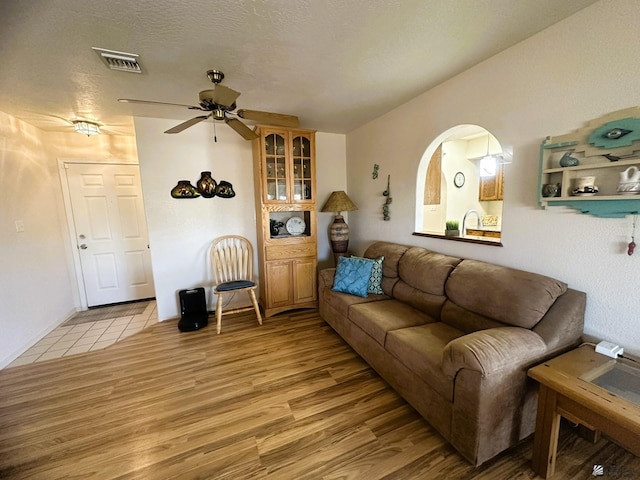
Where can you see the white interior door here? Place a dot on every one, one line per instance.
(111, 232)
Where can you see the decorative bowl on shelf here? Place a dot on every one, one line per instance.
(629, 188)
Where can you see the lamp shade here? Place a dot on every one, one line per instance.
(339, 202)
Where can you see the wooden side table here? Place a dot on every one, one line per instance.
(564, 393)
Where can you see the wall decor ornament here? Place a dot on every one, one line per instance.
(632, 244)
(207, 185)
(606, 148)
(616, 134)
(568, 161)
(385, 207)
(184, 189)
(374, 175)
(225, 190)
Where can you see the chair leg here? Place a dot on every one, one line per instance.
(219, 313)
(252, 296)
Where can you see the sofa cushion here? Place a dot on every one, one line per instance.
(342, 302)
(378, 318)
(392, 253)
(425, 270)
(513, 297)
(352, 275)
(375, 280)
(420, 349)
(422, 279)
(465, 320)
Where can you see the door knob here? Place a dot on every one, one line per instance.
(83, 246)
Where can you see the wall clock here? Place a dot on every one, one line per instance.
(458, 179)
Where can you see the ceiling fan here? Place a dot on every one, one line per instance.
(220, 102)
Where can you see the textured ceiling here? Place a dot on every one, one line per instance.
(337, 64)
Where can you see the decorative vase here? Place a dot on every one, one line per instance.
(339, 235)
(225, 190)
(551, 190)
(207, 185)
(184, 189)
(452, 233)
(568, 161)
(274, 227)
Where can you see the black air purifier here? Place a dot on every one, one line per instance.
(193, 310)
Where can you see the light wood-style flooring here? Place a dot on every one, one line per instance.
(286, 400)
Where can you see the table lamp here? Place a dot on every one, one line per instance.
(339, 231)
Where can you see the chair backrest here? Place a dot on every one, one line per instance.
(231, 259)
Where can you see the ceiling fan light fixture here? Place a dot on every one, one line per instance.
(216, 76)
(218, 114)
(86, 128)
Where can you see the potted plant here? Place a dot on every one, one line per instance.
(451, 228)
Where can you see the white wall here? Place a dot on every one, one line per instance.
(37, 283)
(550, 84)
(331, 176)
(181, 230)
(459, 200)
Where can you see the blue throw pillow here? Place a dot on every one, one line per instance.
(375, 280)
(352, 275)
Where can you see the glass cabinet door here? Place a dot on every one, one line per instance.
(302, 177)
(275, 150)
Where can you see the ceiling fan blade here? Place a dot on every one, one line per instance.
(269, 118)
(244, 131)
(149, 102)
(187, 124)
(224, 96)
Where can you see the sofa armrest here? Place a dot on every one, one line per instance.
(325, 278)
(562, 326)
(493, 350)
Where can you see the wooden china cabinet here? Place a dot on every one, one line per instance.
(284, 175)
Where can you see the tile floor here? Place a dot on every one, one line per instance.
(73, 339)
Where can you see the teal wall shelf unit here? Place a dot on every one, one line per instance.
(596, 168)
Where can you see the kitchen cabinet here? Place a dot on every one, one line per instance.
(491, 187)
(483, 233)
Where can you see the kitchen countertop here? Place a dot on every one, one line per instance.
(496, 228)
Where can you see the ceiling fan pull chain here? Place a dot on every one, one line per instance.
(215, 137)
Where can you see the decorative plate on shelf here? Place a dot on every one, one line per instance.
(295, 226)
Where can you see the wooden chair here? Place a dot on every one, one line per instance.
(232, 266)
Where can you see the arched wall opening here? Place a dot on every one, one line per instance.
(460, 179)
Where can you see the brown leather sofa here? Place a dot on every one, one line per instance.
(455, 338)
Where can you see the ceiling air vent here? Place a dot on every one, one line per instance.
(125, 62)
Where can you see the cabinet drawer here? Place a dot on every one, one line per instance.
(283, 252)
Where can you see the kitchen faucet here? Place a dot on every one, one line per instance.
(464, 221)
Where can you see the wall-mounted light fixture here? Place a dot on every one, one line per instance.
(86, 128)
